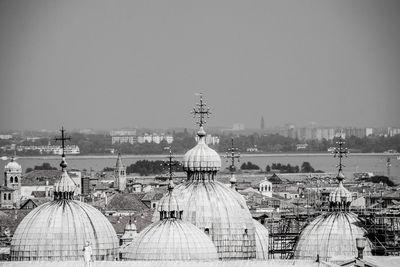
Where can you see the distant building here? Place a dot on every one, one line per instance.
(238, 127)
(123, 136)
(120, 175)
(301, 146)
(12, 180)
(5, 136)
(265, 188)
(369, 131)
(155, 138)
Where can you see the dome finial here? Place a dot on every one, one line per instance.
(201, 111)
(63, 138)
(232, 154)
(65, 187)
(340, 152)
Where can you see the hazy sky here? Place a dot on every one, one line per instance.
(110, 64)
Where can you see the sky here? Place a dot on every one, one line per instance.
(114, 64)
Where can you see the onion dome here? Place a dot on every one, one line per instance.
(331, 235)
(130, 232)
(261, 241)
(201, 157)
(13, 166)
(58, 230)
(171, 238)
(340, 197)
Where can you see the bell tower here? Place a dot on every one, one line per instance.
(120, 175)
(12, 180)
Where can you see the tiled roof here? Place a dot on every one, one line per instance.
(141, 220)
(39, 177)
(125, 201)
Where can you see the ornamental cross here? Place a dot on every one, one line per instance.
(170, 163)
(201, 111)
(232, 154)
(340, 152)
(63, 138)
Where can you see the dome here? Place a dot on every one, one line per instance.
(201, 157)
(13, 166)
(331, 235)
(130, 232)
(58, 230)
(340, 194)
(217, 209)
(261, 241)
(171, 239)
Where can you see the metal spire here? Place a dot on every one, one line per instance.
(232, 154)
(201, 111)
(170, 163)
(340, 152)
(63, 138)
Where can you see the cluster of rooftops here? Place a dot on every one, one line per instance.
(198, 220)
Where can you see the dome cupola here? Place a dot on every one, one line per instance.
(13, 166)
(58, 230)
(171, 238)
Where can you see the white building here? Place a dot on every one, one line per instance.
(265, 188)
(123, 136)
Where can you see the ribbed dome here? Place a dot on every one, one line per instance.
(329, 236)
(201, 157)
(65, 184)
(171, 239)
(58, 230)
(261, 241)
(13, 166)
(340, 194)
(215, 208)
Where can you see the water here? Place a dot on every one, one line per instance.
(354, 163)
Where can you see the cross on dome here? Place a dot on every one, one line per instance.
(340, 152)
(232, 154)
(63, 138)
(201, 111)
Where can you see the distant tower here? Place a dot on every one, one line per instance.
(12, 179)
(120, 175)
(262, 123)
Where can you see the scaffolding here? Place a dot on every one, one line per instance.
(284, 231)
(383, 230)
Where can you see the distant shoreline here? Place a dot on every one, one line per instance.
(244, 155)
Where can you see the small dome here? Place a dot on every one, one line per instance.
(130, 226)
(331, 235)
(13, 166)
(340, 195)
(169, 202)
(218, 209)
(66, 184)
(201, 157)
(58, 230)
(171, 239)
(261, 241)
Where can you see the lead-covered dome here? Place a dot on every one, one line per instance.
(171, 238)
(331, 235)
(58, 230)
(340, 196)
(261, 241)
(201, 157)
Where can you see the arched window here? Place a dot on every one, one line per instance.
(11, 179)
(9, 196)
(16, 180)
(5, 196)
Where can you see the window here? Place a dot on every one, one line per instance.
(207, 231)
(9, 196)
(5, 196)
(16, 180)
(11, 179)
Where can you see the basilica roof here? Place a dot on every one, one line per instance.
(261, 241)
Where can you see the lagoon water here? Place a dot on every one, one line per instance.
(375, 163)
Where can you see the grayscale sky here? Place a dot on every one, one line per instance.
(110, 64)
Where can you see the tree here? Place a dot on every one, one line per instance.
(268, 168)
(306, 167)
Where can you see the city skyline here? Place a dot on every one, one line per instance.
(113, 65)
